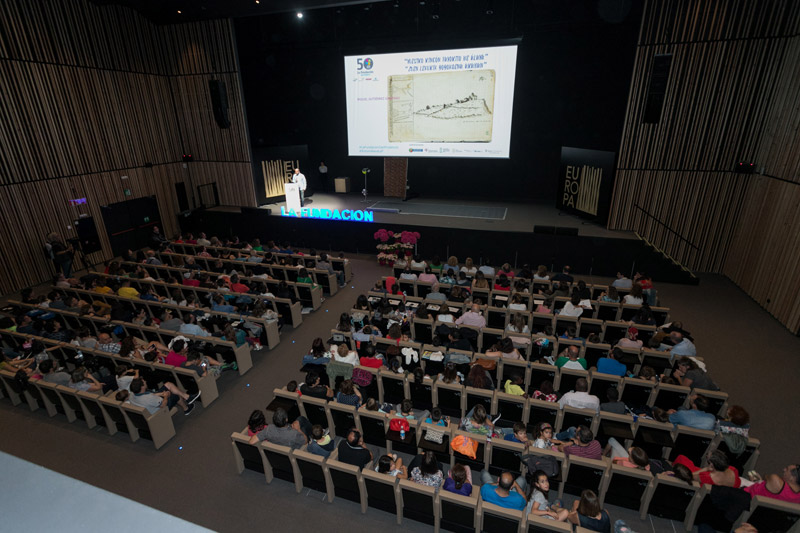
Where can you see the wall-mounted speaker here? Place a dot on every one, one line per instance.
(219, 102)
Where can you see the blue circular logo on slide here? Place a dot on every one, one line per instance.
(368, 63)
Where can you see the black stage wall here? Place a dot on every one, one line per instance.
(573, 73)
(596, 255)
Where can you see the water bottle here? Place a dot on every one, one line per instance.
(402, 434)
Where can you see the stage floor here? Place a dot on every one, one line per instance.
(462, 214)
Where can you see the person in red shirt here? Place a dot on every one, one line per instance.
(237, 286)
(177, 355)
(190, 279)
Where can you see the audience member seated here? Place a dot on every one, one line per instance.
(564, 275)
(47, 369)
(504, 491)
(349, 394)
(588, 514)
(635, 296)
(538, 501)
(611, 365)
(391, 465)
(434, 295)
(318, 354)
(473, 317)
(282, 433)
(569, 358)
(545, 392)
(784, 487)
(515, 386)
(82, 380)
(696, 417)
(321, 442)
(520, 435)
(177, 354)
(633, 457)
(168, 396)
(689, 374)
(314, 388)
(429, 472)
(346, 355)
(459, 480)
(630, 340)
(580, 397)
(479, 378)
(505, 348)
(573, 306)
(541, 273)
(680, 345)
(718, 471)
(613, 405)
(191, 327)
(609, 296)
(352, 450)
(582, 444)
(256, 423)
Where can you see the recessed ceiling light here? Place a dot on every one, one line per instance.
(179, 12)
(299, 15)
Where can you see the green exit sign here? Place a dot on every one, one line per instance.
(147, 219)
(127, 192)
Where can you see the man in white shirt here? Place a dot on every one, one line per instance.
(622, 282)
(580, 397)
(473, 317)
(203, 241)
(323, 175)
(300, 180)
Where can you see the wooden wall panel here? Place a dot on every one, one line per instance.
(91, 94)
(732, 95)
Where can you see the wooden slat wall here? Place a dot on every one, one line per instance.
(729, 59)
(732, 95)
(89, 95)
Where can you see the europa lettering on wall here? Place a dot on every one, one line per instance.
(585, 182)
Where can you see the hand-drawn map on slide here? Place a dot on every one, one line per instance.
(442, 107)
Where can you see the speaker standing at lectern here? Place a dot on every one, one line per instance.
(300, 180)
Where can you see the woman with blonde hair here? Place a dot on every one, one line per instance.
(452, 261)
(469, 267)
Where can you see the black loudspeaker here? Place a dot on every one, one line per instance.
(544, 230)
(572, 232)
(87, 235)
(219, 102)
(657, 90)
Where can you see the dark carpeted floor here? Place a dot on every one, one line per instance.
(194, 477)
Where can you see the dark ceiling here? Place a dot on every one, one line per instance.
(510, 12)
(176, 11)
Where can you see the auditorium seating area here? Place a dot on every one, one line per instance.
(91, 410)
(659, 495)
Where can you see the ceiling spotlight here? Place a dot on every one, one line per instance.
(258, 1)
(179, 12)
(299, 15)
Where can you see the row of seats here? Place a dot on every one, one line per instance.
(659, 495)
(270, 333)
(95, 324)
(324, 279)
(501, 298)
(659, 439)
(500, 317)
(70, 357)
(337, 263)
(305, 293)
(633, 391)
(92, 409)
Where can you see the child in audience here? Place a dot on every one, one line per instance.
(544, 437)
(122, 396)
(321, 442)
(256, 423)
(538, 503)
(292, 387)
(545, 392)
(437, 418)
(520, 434)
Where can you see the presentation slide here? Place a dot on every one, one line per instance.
(444, 103)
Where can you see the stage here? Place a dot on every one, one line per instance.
(456, 214)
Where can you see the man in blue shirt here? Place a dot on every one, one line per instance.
(191, 328)
(696, 417)
(610, 365)
(506, 492)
